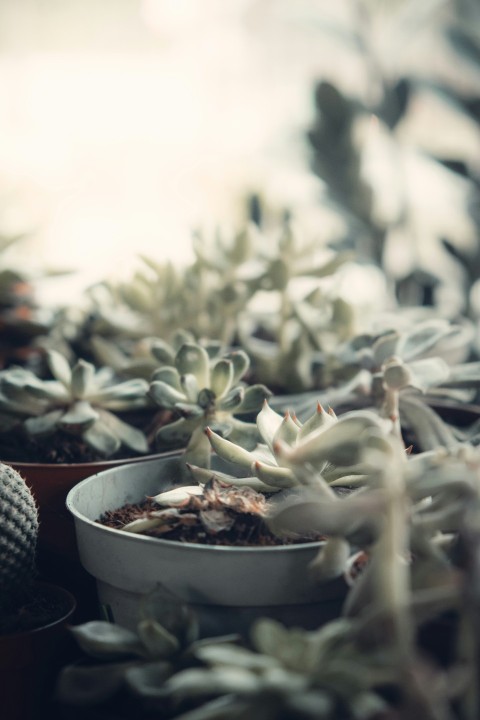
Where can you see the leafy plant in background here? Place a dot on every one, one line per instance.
(82, 402)
(411, 251)
(204, 391)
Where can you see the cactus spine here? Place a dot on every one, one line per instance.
(18, 537)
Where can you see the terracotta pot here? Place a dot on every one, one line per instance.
(29, 662)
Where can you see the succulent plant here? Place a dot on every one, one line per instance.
(205, 392)
(18, 538)
(81, 400)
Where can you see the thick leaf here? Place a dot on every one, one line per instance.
(81, 413)
(274, 475)
(193, 359)
(429, 373)
(331, 560)
(232, 401)
(253, 399)
(128, 435)
(222, 377)
(147, 680)
(204, 475)
(228, 655)
(163, 352)
(229, 451)
(106, 641)
(189, 386)
(168, 375)
(199, 682)
(165, 395)
(44, 424)
(241, 363)
(176, 434)
(320, 419)
(59, 367)
(287, 432)
(340, 444)
(101, 438)
(159, 642)
(179, 496)
(127, 395)
(83, 375)
(268, 423)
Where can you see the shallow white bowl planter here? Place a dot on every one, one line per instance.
(228, 586)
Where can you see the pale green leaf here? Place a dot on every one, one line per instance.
(83, 374)
(44, 424)
(59, 367)
(193, 359)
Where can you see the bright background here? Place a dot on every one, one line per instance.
(126, 123)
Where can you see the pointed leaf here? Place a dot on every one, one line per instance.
(268, 423)
(59, 367)
(274, 475)
(287, 432)
(229, 451)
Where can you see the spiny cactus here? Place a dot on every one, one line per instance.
(18, 537)
(81, 400)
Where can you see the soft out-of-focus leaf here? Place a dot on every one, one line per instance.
(44, 424)
(165, 395)
(105, 640)
(101, 438)
(59, 367)
(80, 413)
(193, 359)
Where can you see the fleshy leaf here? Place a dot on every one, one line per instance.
(165, 395)
(193, 359)
(101, 438)
(83, 374)
(222, 377)
(80, 413)
(106, 640)
(59, 367)
(44, 424)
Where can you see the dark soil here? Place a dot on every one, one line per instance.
(64, 447)
(41, 607)
(61, 447)
(220, 517)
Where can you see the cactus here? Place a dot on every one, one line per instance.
(18, 537)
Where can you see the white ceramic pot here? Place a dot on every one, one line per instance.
(224, 583)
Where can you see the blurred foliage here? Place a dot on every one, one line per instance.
(383, 35)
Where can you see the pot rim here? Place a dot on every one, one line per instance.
(94, 463)
(160, 542)
(68, 613)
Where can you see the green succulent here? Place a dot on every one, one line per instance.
(205, 392)
(80, 400)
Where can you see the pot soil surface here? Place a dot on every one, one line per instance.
(39, 608)
(222, 515)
